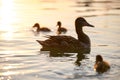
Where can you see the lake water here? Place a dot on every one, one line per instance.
(20, 55)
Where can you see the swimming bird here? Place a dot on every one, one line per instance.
(61, 29)
(44, 29)
(101, 65)
(62, 43)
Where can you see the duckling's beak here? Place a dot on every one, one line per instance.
(33, 26)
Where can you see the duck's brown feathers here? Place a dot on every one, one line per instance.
(64, 43)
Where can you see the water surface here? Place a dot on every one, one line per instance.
(20, 55)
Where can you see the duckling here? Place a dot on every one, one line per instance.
(43, 29)
(69, 43)
(60, 29)
(100, 65)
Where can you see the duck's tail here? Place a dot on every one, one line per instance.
(42, 43)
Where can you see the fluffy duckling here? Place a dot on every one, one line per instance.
(61, 29)
(101, 65)
(44, 29)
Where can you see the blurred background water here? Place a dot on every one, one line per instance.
(20, 55)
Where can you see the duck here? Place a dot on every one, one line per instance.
(64, 43)
(100, 65)
(60, 29)
(43, 29)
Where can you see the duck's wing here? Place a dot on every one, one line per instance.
(60, 41)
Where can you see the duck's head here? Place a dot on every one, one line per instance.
(99, 58)
(59, 23)
(80, 21)
(36, 25)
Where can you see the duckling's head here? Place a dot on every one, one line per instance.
(80, 21)
(59, 23)
(36, 25)
(99, 58)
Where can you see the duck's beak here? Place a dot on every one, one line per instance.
(90, 25)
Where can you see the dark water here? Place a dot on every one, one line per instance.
(20, 55)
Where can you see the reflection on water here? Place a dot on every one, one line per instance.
(86, 3)
(20, 55)
(7, 15)
(80, 57)
(98, 7)
(7, 36)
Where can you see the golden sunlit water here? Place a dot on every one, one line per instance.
(20, 55)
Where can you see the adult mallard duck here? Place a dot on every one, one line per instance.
(63, 43)
(43, 29)
(100, 65)
(60, 28)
